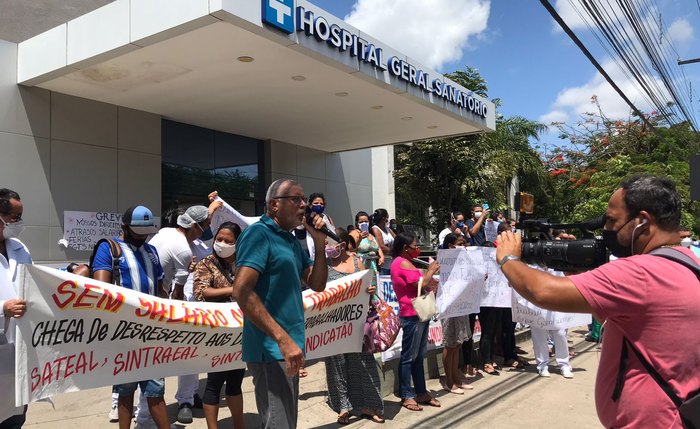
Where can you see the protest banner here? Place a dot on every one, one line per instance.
(82, 230)
(496, 292)
(462, 277)
(80, 333)
(228, 214)
(528, 313)
(385, 290)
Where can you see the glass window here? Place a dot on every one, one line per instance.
(197, 161)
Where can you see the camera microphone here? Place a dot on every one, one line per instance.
(324, 229)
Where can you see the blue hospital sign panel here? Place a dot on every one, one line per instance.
(279, 13)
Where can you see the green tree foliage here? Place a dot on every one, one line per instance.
(601, 152)
(455, 173)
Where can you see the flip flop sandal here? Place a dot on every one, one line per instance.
(432, 402)
(412, 406)
(376, 418)
(344, 419)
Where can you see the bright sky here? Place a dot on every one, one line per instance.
(517, 47)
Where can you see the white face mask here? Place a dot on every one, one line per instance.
(477, 215)
(224, 250)
(12, 230)
(686, 242)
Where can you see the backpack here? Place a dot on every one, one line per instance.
(690, 408)
(115, 251)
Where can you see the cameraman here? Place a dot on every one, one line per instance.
(652, 301)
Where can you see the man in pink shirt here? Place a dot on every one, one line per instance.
(652, 301)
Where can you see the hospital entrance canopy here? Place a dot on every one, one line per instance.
(269, 69)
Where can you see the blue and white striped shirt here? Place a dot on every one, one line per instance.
(139, 268)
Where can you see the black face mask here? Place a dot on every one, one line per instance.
(611, 242)
(129, 239)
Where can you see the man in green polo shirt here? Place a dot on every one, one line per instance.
(270, 268)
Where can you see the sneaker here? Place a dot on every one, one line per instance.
(567, 373)
(197, 401)
(113, 415)
(544, 372)
(185, 413)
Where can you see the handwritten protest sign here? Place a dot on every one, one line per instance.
(528, 313)
(83, 334)
(462, 273)
(385, 290)
(82, 230)
(496, 292)
(491, 230)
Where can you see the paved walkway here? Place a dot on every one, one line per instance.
(88, 409)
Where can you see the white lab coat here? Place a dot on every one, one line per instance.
(17, 254)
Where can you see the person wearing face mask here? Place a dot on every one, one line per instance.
(179, 248)
(404, 278)
(139, 270)
(317, 204)
(650, 305)
(12, 253)
(455, 331)
(213, 282)
(352, 378)
(475, 225)
(457, 226)
(368, 249)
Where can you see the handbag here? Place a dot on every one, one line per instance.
(381, 328)
(425, 305)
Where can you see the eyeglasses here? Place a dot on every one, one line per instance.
(295, 199)
(13, 219)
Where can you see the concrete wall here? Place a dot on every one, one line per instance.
(345, 178)
(66, 153)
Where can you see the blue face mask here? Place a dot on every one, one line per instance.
(207, 234)
(459, 224)
(317, 209)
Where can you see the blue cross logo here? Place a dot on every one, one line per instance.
(279, 13)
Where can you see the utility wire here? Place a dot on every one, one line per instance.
(593, 61)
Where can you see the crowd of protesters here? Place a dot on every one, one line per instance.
(265, 266)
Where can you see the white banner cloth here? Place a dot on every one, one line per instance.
(80, 333)
(496, 292)
(462, 273)
(528, 313)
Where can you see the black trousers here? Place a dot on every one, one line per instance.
(16, 421)
(468, 346)
(488, 319)
(508, 334)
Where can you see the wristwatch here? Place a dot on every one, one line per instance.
(508, 258)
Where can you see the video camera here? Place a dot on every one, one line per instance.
(539, 247)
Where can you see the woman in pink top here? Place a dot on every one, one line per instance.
(404, 277)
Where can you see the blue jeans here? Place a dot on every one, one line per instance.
(413, 345)
(149, 388)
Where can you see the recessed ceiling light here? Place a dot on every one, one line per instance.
(377, 107)
(432, 127)
(245, 59)
(342, 94)
(299, 78)
(407, 118)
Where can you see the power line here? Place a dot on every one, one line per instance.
(633, 35)
(593, 61)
